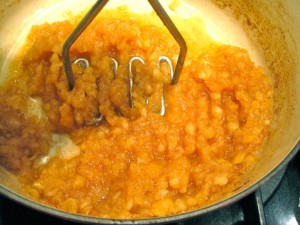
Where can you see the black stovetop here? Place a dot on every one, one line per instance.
(276, 203)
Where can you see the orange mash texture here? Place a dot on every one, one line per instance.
(140, 164)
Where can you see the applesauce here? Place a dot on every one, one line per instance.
(136, 163)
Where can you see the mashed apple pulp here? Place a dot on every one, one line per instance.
(138, 164)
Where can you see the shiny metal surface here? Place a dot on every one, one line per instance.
(164, 59)
(89, 17)
(99, 5)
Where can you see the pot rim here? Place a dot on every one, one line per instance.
(156, 220)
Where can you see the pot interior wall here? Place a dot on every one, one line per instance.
(274, 29)
(273, 26)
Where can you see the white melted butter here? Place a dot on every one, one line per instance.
(62, 146)
(62, 143)
(35, 108)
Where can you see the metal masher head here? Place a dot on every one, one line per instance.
(83, 63)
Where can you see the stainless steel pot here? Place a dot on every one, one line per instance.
(272, 26)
